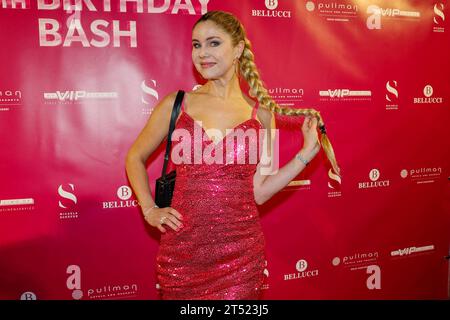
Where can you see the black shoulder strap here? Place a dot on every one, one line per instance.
(175, 112)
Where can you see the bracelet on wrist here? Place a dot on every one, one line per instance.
(299, 157)
(151, 209)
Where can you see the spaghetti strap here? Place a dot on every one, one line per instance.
(255, 109)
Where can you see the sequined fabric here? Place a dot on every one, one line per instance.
(219, 253)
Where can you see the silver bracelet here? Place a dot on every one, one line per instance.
(151, 209)
(299, 157)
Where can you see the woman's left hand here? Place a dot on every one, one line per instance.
(311, 143)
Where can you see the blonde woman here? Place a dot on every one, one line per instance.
(212, 246)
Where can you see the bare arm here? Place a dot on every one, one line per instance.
(267, 184)
(145, 144)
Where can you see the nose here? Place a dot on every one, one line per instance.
(203, 52)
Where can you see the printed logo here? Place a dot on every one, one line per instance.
(10, 98)
(28, 296)
(374, 176)
(422, 175)
(428, 97)
(374, 280)
(376, 13)
(411, 250)
(356, 260)
(337, 95)
(287, 97)
(439, 17)
(301, 266)
(124, 193)
(334, 11)
(391, 95)
(79, 96)
(69, 201)
(270, 11)
(334, 183)
(73, 281)
(24, 204)
(149, 95)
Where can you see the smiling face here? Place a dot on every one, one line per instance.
(213, 51)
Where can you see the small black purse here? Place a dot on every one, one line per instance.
(166, 183)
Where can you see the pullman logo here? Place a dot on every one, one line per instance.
(334, 11)
(73, 281)
(10, 98)
(422, 175)
(391, 95)
(285, 96)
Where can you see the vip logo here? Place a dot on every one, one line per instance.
(73, 281)
(70, 95)
(28, 296)
(271, 4)
(149, 91)
(339, 93)
(391, 87)
(66, 195)
(374, 280)
(410, 250)
(439, 13)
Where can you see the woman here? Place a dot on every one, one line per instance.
(211, 245)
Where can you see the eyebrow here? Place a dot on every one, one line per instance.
(209, 38)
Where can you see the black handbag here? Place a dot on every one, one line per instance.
(166, 183)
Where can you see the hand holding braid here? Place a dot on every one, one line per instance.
(250, 73)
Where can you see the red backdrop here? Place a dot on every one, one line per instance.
(78, 86)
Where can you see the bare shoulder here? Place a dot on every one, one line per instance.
(165, 105)
(266, 117)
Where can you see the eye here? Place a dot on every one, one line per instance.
(215, 43)
(195, 45)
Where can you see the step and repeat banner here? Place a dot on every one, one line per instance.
(79, 79)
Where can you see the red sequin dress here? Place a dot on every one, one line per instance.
(219, 253)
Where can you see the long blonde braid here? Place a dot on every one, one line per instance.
(249, 72)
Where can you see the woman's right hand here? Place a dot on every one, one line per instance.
(156, 217)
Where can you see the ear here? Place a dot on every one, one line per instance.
(240, 48)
